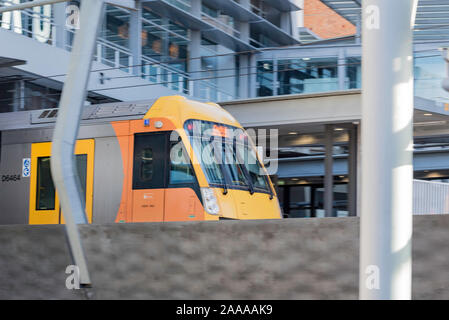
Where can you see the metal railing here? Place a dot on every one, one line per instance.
(26, 27)
(430, 197)
(119, 57)
(220, 25)
(155, 72)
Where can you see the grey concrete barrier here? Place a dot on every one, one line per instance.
(271, 259)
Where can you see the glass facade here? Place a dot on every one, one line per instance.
(430, 70)
(164, 40)
(307, 75)
(265, 78)
(353, 78)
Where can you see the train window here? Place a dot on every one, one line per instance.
(149, 160)
(181, 170)
(146, 164)
(45, 193)
(81, 166)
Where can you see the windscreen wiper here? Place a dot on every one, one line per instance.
(245, 172)
(220, 165)
(225, 185)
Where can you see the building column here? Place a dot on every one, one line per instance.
(328, 171)
(194, 63)
(387, 138)
(358, 32)
(60, 17)
(341, 69)
(352, 170)
(135, 37)
(244, 77)
(244, 59)
(286, 22)
(252, 71)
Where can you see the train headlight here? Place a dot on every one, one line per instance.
(210, 201)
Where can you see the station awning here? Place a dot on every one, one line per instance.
(432, 17)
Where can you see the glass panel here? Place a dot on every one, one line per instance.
(354, 73)
(116, 26)
(180, 169)
(208, 162)
(429, 71)
(253, 167)
(226, 155)
(307, 75)
(45, 192)
(146, 164)
(300, 202)
(164, 40)
(81, 166)
(265, 78)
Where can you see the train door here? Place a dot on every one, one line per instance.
(44, 207)
(182, 196)
(149, 175)
(164, 185)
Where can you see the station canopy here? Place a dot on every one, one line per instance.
(432, 17)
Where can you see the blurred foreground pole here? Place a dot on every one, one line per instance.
(63, 167)
(387, 140)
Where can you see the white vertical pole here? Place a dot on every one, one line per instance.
(387, 139)
(63, 167)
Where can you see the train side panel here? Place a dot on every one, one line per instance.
(14, 188)
(108, 180)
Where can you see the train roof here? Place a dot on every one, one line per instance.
(169, 106)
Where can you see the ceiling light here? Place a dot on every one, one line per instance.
(338, 129)
(427, 114)
(293, 133)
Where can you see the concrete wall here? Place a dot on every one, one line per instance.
(284, 259)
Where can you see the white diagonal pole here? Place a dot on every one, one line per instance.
(63, 166)
(387, 140)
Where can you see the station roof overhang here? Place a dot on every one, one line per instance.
(6, 62)
(432, 17)
(308, 113)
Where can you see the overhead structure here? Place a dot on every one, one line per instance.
(432, 17)
(387, 154)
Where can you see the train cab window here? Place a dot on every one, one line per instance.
(181, 171)
(149, 160)
(146, 164)
(45, 193)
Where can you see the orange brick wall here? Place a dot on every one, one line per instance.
(325, 22)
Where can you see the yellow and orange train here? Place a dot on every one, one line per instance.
(138, 162)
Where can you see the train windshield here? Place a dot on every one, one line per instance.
(226, 156)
